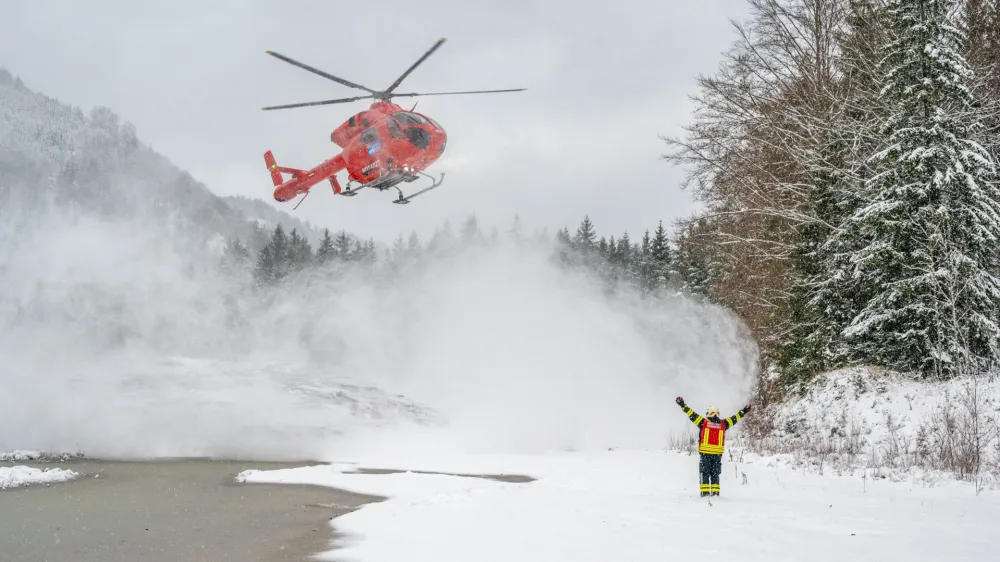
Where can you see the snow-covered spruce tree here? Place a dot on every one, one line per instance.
(586, 236)
(661, 261)
(342, 246)
(265, 268)
(235, 259)
(326, 251)
(645, 263)
(807, 346)
(564, 247)
(299, 252)
(929, 231)
(980, 21)
(822, 300)
(628, 261)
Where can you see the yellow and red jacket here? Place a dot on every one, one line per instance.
(712, 437)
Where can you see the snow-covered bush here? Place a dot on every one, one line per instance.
(889, 425)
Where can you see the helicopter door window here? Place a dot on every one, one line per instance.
(369, 136)
(394, 129)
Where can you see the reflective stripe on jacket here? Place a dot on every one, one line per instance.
(712, 437)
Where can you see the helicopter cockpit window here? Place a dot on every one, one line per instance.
(394, 129)
(418, 137)
(369, 136)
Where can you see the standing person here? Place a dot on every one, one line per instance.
(711, 443)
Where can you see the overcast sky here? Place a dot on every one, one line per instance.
(604, 81)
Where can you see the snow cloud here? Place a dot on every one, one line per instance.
(115, 345)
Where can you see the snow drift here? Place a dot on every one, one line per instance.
(17, 476)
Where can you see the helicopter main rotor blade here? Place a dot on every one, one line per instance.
(453, 93)
(308, 103)
(318, 71)
(409, 70)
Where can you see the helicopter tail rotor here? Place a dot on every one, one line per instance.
(272, 166)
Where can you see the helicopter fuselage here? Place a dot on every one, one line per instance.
(385, 138)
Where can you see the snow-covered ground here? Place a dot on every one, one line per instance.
(15, 476)
(643, 506)
(859, 420)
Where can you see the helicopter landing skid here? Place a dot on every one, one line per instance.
(435, 182)
(390, 181)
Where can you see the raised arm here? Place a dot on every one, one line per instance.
(731, 420)
(691, 414)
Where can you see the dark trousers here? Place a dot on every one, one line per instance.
(710, 467)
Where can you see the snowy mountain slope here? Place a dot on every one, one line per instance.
(53, 157)
(639, 506)
(104, 242)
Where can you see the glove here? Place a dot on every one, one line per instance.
(680, 401)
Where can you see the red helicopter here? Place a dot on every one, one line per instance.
(382, 146)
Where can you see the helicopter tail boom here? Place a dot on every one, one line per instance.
(302, 180)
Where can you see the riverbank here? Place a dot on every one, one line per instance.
(190, 510)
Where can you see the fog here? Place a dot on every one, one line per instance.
(115, 343)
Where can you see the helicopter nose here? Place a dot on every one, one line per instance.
(443, 140)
